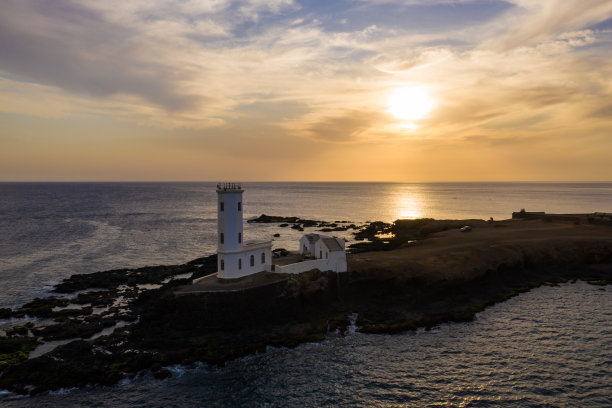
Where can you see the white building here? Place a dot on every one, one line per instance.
(235, 257)
(323, 247)
(315, 252)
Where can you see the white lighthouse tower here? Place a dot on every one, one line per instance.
(236, 258)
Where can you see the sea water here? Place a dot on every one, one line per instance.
(49, 231)
(550, 347)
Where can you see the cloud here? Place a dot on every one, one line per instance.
(73, 48)
(603, 112)
(197, 63)
(531, 22)
(348, 127)
(116, 48)
(253, 80)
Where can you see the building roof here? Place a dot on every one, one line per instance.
(332, 244)
(312, 238)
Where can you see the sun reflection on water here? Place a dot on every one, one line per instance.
(409, 205)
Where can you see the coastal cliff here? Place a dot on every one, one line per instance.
(446, 275)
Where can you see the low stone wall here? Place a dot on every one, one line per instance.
(299, 267)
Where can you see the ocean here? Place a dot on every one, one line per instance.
(549, 347)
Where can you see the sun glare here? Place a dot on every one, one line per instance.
(410, 103)
(409, 205)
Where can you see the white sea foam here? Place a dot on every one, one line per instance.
(100, 310)
(177, 370)
(352, 328)
(124, 381)
(148, 286)
(180, 276)
(63, 391)
(109, 330)
(5, 393)
(271, 349)
(70, 306)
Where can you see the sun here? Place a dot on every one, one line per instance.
(410, 103)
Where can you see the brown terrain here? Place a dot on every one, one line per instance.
(453, 254)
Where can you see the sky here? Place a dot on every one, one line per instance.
(296, 90)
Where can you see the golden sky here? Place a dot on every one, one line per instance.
(296, 90)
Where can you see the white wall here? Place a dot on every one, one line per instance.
(337, 261)
(231, 269)
(300, 267)
(306, 242)
(229, 221)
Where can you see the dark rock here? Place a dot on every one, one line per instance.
(15, 349)
(5, 313)
(209, 265)
(72, 365)
(96, 298)
(20, 330)
(74, 329)
(276, 235)
(263, 218)
(280, 252)
(114, 278)
(62, 314)
(202, 260)
(372, 229)
(41, 307)
(161, 374)
(401, 232)
(102, 280)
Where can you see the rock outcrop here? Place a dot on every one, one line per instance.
(449, 276)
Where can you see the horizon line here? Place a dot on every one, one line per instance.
(310, 181)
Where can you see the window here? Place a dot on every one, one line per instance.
(222, 265)
(221, 238)
(327, 253)
(239, 263)
(320, 254)
(252, 260)
(263, 257)
(240, 237)
(239, 206)
(221, 206)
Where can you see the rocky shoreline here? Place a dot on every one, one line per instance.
(114, 324)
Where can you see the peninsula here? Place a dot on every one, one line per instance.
(106, 326)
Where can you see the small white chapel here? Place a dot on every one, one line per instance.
(237, 257)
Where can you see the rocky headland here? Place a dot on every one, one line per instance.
(99, 328)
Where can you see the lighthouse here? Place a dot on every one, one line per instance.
(235, 257)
